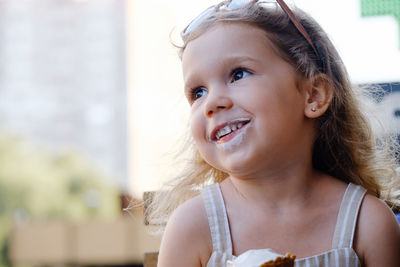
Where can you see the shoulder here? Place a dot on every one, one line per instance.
(186, 240)
(377, 237)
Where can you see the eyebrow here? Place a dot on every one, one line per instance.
(233, 59)
(225, 62)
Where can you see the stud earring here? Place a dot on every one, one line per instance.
(313, 109)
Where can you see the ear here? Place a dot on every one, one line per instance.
(318, 96)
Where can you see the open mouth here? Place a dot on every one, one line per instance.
(224, 131)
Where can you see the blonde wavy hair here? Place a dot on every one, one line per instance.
(345, 146)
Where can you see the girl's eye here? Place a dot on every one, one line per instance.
(197, 93)
(238, 74)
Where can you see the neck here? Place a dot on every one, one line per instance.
(288, 186)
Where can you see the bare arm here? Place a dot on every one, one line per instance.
(186, 240)
(378, 234)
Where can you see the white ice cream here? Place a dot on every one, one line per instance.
(253, 258)
(234, 142)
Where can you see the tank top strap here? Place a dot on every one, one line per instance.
(217, 218)
(347, 217)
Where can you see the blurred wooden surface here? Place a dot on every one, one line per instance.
(102, 243)
(150, 259)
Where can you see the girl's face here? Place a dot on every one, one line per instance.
(247, 106)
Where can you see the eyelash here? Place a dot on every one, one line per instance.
(238, 70)
(193, 93)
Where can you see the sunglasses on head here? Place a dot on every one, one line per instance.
(235, 4)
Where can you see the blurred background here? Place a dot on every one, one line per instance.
(92, 114)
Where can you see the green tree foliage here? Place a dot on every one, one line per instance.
(38, 185)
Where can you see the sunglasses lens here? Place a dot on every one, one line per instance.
(238, 3)
(199, 18)
(231, 5)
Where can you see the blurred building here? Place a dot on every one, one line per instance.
(62, 77)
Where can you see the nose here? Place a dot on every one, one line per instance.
(217, 100)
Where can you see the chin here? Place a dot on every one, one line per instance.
(237, 167)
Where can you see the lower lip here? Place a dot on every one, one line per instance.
(232, 135)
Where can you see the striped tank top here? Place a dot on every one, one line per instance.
(341, 254)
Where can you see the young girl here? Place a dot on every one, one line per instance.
(284, 158)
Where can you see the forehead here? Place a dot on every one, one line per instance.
(227, 41)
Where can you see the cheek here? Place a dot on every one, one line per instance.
(196, 126)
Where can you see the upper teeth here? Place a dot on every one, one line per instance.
(228, 129)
